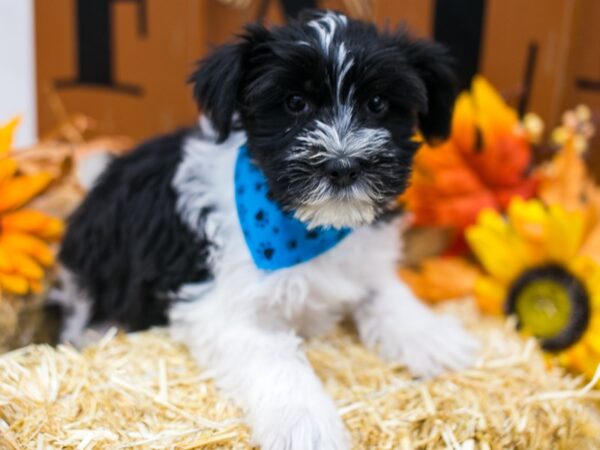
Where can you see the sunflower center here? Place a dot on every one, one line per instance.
(552, 304)
(543, 307)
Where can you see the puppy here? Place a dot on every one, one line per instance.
(271, 220)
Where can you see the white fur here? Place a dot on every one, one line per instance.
(245, 325)
(325, 26)
(89, 168)
(78, 310)
(340, 140)
(75, 303)
(337, 213)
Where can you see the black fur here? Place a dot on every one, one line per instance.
(256, 74)
(436, 68)
(126, 244)
(221, 81)
(217, 81)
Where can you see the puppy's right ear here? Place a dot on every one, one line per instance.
(218, 80)
(435, 67)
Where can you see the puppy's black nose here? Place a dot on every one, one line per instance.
(342, 172)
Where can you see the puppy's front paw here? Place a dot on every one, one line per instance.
(429, 345)
(288, 427)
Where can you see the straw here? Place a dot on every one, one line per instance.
(144, 391)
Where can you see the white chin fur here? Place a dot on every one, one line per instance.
(337, 214)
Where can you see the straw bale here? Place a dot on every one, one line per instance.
(144, 391)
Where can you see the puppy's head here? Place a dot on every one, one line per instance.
(330, 107)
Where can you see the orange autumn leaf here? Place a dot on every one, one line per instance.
(7, 132)
(6, 264)
(8, 167)
(35, 286)
(15, 284)
(565, 180)
(28, 244)
(464, 133)
(24, 234)
(33, 222)
(484, 163)
(26, 266)
(19, 190)
(591, 246)
(439, 279)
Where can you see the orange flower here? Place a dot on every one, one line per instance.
(483, 164)
(24, 234)
(439, 279)
(565, 179)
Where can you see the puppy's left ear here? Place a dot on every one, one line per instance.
(436, 68)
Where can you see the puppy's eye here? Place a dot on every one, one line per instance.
(296, 104)
(377, 106)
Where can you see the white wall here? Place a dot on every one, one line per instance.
(17, 67)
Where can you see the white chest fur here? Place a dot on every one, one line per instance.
(309, 297)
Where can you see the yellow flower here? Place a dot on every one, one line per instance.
(536, 266)
(24, 234)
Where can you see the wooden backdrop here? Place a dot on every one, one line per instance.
(125, 62)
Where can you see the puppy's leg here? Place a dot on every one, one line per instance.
(404, 330)
(267, 373)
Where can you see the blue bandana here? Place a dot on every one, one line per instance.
(276, 239)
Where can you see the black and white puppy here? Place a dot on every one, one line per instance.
(328, 107)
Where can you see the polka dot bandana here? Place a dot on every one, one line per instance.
(275, 238)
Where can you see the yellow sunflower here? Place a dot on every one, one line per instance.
(24, 233)
(539, 266)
